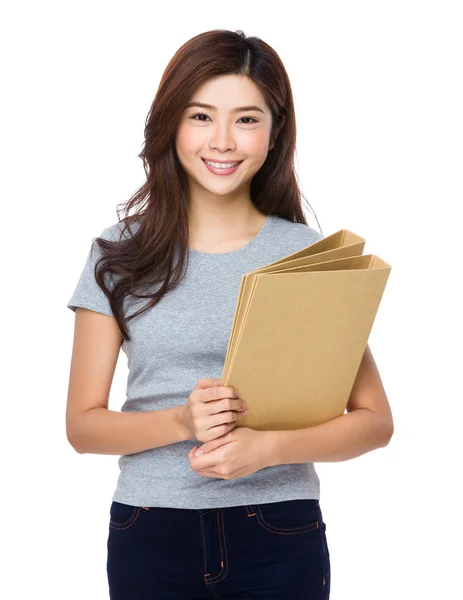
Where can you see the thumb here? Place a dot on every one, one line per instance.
(212, 445)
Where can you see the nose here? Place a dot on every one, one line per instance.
(221, 137)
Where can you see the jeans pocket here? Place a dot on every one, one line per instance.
(289, 516)
(123, 516)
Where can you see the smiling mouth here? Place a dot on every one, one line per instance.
(222, 171)
(222, 162)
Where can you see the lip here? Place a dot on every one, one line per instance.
(218, 171)
(220, 161)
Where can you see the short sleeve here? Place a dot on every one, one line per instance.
(88, 293)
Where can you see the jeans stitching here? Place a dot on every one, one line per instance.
(326, 561)
(208, 511)
(204, 545)
(221, 530)
(284, 530)
(133, 517)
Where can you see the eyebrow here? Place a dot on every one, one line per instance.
(234, 110)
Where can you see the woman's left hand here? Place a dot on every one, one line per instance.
(240, 452)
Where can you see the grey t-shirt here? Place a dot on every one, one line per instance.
(182, 339)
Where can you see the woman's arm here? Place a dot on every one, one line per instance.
(90, 426)
(367, 425)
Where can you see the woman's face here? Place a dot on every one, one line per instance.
(223, 133)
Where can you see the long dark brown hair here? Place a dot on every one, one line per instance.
(147, 256)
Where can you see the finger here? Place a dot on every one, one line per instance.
(205, 459)
(208, 473)
(191, 453)
(205, 462)
(207, 382)
(194, 459)
(208, 447)
(219, 392)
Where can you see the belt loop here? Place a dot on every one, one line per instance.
(250, 509)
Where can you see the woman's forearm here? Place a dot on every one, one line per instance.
(103, 431)
(345, 437)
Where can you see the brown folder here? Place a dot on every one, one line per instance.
(300, 329)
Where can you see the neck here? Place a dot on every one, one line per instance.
(230, 224)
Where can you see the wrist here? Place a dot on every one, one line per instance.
(184, 432)
(270, 443)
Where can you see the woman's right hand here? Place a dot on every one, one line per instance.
(211, 410)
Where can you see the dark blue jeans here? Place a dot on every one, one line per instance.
(273, 551)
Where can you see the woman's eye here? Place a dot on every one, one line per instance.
(198, 115)
(203, 115)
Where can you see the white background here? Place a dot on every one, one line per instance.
(378, 94)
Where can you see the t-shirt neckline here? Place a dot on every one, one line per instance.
(246, 248)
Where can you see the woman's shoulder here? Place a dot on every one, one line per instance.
(120, 229)
(305, 233)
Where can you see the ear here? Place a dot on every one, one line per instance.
(274, 135)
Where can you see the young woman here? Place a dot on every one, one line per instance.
(220, 199)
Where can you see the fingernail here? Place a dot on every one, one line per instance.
(245, 412)
(199, 452)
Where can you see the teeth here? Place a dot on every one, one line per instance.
(221, 165)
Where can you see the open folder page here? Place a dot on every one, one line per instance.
(301, 327)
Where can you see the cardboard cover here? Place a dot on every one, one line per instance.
(300, 329)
